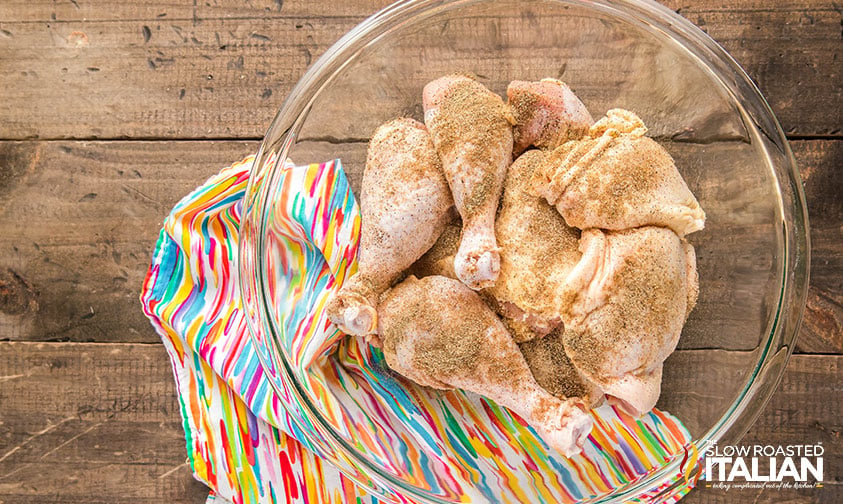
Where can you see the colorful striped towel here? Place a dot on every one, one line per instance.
(244, 440)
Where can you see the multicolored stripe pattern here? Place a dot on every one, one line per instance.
(311, 243)
(239, 439)
(243, 426)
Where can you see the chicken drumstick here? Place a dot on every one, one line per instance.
(439, 333)
(547, 114)
(471, 128)
(405, 204)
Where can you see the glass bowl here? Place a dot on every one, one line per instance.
(752, 256)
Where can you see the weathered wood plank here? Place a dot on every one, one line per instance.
(222, 69)
(114, 10)
(78, 221)
(787, 419)
(220, 78)
(105, 10)
(63, 284)
(91, 424)
(821, 167)
(102, 462)
(791, 52)
(79, 420)
(830, 493)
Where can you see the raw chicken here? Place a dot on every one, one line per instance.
(547, 114)
(624, 306)
(438, 333)
(405, 204)
(693, 277)
(471, 128)
(617, 178)
(439, 260)
(538, 250)
(553, 370)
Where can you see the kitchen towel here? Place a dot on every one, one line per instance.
(250, 443)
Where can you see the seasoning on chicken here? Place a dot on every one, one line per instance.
(547, 114)
(471, 128)
(439, 333)
(439, 260)
(624, 306)
(553, 370)
(538, 250)
(618, 178)
(405, 204)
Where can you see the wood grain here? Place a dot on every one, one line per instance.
(821, 167)
(830, 493)
(78, 221)
(771, 40)
(787, 420)
(79, 421)
(112, 10)
(115, 10)
(99, 422)
(91, 424)
(218, 78)
(221, 70)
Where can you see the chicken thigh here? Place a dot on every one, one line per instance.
(538, 250)
(624, 306)
(471, 128)
(547, 114)
(439, 333)
(618, 178)
(405, 204)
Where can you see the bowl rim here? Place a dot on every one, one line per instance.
(657, 19)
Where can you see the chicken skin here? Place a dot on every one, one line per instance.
(538, 250)
(554, 371)
(471, 128)
(439, 260)
(617, 178)
(439, 333)
(405, 204)
(624, 306)
(547, 114)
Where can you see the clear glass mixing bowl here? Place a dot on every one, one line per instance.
(752, 256)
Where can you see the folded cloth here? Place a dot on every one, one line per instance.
(244, 440)
(239, 439)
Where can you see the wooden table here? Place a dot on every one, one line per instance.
(111, 111)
